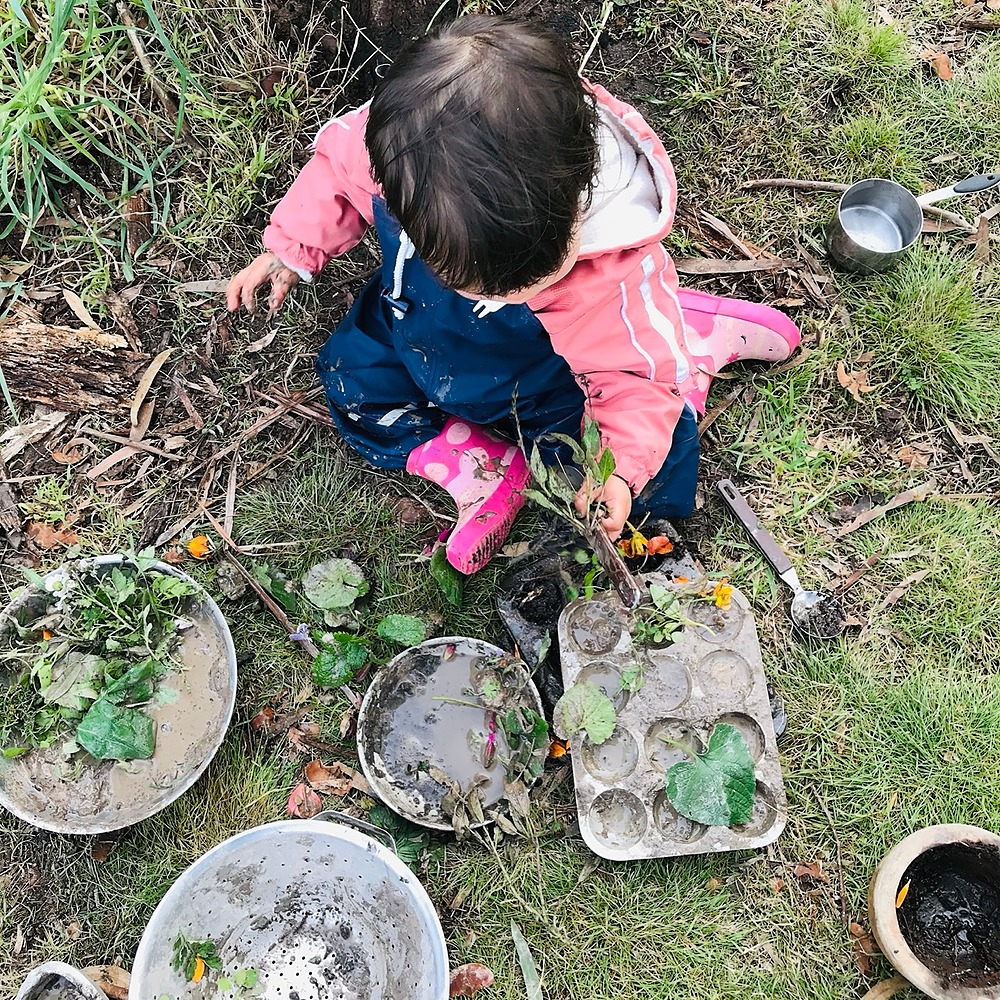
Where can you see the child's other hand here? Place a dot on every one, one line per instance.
(242, 287)
(617, 499)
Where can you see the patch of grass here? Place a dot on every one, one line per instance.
(859, 45)
(934, 330)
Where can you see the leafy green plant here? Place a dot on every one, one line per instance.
(58, 125)
(84, 666)
(192, 958)
(552, 486)
(663, 621)
(716, 787)
(52, 501)
(411, 841)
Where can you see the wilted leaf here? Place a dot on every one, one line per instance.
(174, 556)
(914, 456)
(715, 788)
(47, 536)
(451, 582)
(69, 457)
(855, 382)
(864, 947)
(73, 931)
(813, 870)
(336, 583)
(336, 780)
(405, 630)
(109, 978)
(584, 707)
(940, 63)
(303, 802)
(468, 980)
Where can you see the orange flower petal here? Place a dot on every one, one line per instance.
(659, 545)
(902, 895)
(199, 969)
(200, 547)
(558, 748)
(46, 634)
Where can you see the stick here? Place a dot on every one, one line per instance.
(977, 25)
(710, 265)
(161, 93)
(834, 186)
(605, 14)
(138, 445)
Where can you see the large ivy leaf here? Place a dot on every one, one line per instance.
(411, 841)
(585, 707)
(337, 664)
(336, 583)
(402, 629)
(75, 679)
(716, 787)
(451, 582)
(112, 733)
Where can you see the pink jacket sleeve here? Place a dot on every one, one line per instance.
(617, 324)
(328, 207)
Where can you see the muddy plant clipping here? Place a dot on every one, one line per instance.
(86, 652)
(950, 913)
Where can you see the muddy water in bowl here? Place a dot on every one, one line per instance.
(878, 220)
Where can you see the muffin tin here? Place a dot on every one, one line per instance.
(710, 675)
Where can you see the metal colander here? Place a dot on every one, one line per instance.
(320, 911)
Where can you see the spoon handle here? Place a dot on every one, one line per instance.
(762, 538)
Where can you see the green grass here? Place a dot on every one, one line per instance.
(892, 727)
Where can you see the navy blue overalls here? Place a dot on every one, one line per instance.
(410, 353)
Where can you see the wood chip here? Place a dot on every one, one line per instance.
(15, 439)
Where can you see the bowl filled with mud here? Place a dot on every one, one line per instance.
(449, 730)
(117, 684)
(934, 907)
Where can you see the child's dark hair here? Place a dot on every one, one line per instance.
(483, 139)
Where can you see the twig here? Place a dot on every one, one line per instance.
(840, 861)
(138, 445)
(605, 14)
(161, 93)
(977, 25)
(711, 265)
(796, 184)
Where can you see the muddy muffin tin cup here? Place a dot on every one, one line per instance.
(712, 674)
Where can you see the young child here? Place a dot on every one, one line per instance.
(519, 211)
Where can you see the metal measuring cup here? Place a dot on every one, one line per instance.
(818, 615)
(877, 220)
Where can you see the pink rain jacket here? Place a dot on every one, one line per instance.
(614, 317)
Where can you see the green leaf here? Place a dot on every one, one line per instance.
(586, 707)
(74, 680)
(663, 598)
(225, 984)
(108, 732)
(405, 630)
(246, 978)
(591, 438)
(336, 583)
(606, 465)
(274, 584)
(337, 664)
(172, 587)
(410, 840)
(135, 686)
(536, 464)
(715, 788)
(451, 582)
(532, 981)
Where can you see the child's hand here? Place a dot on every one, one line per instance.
(617, 499)
(243, 287)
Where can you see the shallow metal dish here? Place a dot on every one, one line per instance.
(106, 795)
(408, 726)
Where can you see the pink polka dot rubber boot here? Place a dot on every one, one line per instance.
(719, 331)
(485, 476)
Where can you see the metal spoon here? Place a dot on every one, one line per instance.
(818, 615)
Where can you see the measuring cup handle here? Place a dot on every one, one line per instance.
(978, 182)
(376, 831)
(763, 539)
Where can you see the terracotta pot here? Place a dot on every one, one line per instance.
(968, 851)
